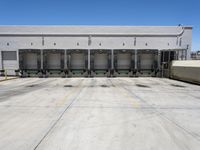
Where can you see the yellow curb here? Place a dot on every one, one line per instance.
(8, 79)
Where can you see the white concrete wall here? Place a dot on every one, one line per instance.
(102, 42)
(188, 70)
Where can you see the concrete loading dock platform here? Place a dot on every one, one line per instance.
(99, 113)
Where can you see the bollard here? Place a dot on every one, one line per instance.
(5, 74)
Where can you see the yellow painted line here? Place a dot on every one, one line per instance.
(65, 97)
(130, 97)
(135, 102)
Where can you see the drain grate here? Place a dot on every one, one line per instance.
(177, 85)
(68, 86)
(142, 85)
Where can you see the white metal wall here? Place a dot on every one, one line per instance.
(93, 37)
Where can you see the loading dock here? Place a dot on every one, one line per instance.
(115, 50)
(124, 63)
(54, 63)
(100, 63)
(147, 62)
(30, 63)
(77, 63)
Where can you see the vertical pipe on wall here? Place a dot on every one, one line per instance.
(158, 59)
(136, 61)
(89, 59)
(178, 55)
(168, 65)
(69, 61)
(132, 67)
(185, 54)
(65, 59)
(41, 59)
(112, 59)
(175, 55)
(17, 59)
(163, 60)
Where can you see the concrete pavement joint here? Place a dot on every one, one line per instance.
(59, 118)
(135, 103)
(102, 118)
(162, 115)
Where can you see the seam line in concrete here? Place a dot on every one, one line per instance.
(160, 113)
(59, 118)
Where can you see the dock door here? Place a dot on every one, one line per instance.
(100, 63)
(30, 63)
(77, 63)
(54, 63)
(124, 63)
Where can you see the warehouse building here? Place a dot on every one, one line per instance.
(90, 51)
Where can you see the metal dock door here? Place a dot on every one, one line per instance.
(9, 62)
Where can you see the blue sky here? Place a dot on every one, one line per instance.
(103, 12)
